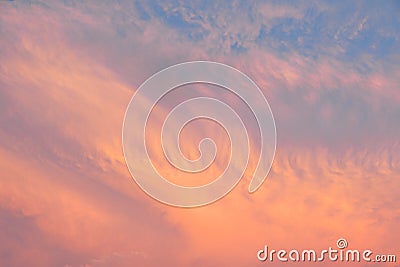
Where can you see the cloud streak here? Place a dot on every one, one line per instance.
(69, 70)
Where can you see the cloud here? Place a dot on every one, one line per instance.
(69, 70)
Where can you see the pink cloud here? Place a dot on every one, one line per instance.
(64, 177)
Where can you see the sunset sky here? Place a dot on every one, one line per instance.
(330, 71)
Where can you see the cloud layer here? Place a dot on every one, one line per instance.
(68, 71)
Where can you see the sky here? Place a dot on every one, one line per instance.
(68, 69)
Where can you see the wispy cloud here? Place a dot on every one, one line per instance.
(68, 70)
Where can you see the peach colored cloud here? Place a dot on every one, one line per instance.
(67, 199)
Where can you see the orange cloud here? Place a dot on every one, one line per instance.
(63, 177)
